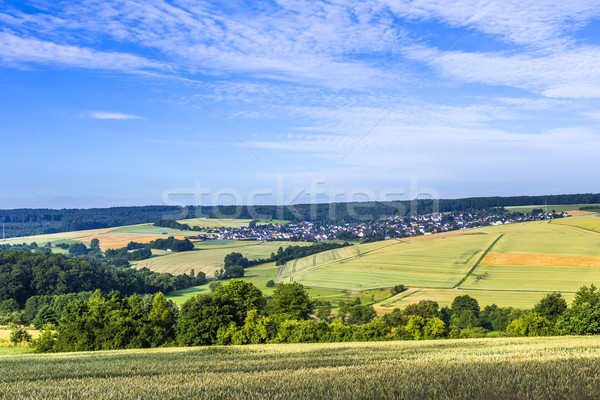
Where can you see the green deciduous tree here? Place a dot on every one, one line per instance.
(162, 319)
(290, 301)
(465, 302)
(95, 244)
(434, 329)
(324, 310)
(202, 316)
(529, 325)
(586, 294)
(552, 306)
(425, 308)
(244, 294)
(359, 314)
(415, 326)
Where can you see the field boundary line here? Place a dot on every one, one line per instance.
(478, 262)
(406, 296)
(577, 227)
(397, 297)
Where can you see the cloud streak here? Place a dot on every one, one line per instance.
(15, 50)
(111, 115)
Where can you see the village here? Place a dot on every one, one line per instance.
(382, 229)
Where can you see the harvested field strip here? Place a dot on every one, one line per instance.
(542, 260)
(578, 213)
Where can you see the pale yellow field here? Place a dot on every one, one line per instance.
(578, 213)
(535, 259)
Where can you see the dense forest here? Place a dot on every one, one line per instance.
(25, 274)
(24, 222)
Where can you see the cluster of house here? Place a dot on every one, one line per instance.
(386, 228)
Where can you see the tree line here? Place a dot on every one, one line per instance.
(238, 313)
(171, 223)
(173, 244)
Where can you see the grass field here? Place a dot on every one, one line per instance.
(208, 257)
(540, 256)
(589, 222)
(7, 348)
(444, 297)
(259, 275)
(503, 368)
(437, 262)
(549, 207)
(528, 259)
(546, 238)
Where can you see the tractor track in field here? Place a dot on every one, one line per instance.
(478, 262)
(280, 273)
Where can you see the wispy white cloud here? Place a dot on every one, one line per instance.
(110, 115)
(566, 73)
(15, 50)
(336, 45)
(308, 78)
(538, 23)
(315, 43)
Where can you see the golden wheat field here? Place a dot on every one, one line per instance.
(503, 368)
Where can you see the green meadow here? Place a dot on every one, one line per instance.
(432, 262)
(208, 257)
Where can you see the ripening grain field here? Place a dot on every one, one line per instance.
(505, 368)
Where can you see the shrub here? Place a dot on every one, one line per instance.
(19, 335)
(529, 325)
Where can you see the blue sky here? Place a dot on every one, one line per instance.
(126, 103)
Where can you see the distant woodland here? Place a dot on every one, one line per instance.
(25, 222)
